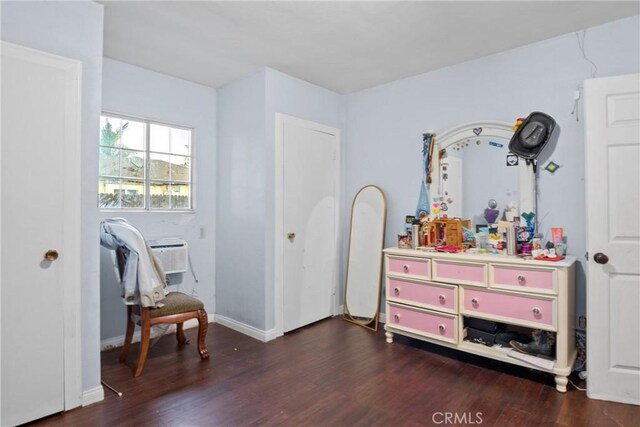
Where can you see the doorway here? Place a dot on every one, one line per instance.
(40, 229)
(612, 140)
(307, 194)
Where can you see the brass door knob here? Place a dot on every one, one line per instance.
(601, 258)
(51, 255)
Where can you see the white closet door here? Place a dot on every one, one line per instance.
(40, 190)
(310, 203)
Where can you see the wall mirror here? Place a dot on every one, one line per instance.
(472, 166)
(364, 262)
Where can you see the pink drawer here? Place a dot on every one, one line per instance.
(428, 323)
(460, 272)
(428, 295)
(533, 280)
(511, 308)
(410, 266)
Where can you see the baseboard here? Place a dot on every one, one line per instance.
(93, 395)
(243, 328)
(156, 331)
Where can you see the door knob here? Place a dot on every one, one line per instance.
(601, 258)
(291, 236)
(51, 255)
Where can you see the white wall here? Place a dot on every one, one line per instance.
(385, 123)
(74, 30)
(138, 92)
(241, 194)
(246, 177)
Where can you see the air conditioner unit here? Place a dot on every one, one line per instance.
(172, 253)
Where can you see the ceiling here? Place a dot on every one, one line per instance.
(344, 46)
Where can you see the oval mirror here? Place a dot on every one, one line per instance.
(364, 262)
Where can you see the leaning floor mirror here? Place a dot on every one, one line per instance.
(364, 262)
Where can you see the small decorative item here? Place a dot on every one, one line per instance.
(496, 144)
(491, 213)
(552, 166)
(561, 249)
(511, 212)
(404, 241)
(556, 235)
(529, 222)
(512, 160)
(518, 123)
(477, 131)
(524, 236)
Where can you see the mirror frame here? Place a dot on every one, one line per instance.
(491, 129)
(373, 322)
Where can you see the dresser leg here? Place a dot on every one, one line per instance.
(389, 336)
(561, 383)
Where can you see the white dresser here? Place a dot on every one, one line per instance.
(428, 295)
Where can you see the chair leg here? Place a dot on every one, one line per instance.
(145, 333)
(203, 324)
(128, 336)
(180, 334)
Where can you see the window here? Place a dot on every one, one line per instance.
(144, 165)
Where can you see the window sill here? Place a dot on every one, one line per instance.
(146, 211)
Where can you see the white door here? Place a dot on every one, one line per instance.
(40, 213)
(612, 134)
(309, 218)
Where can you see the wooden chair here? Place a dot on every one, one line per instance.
(178, 307)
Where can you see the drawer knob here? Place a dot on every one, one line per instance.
(536, 311)
(405, 268)
(396, 317)
(442, 299)
(474, 301)
(442, 328)
(521, 279)
(396, 291)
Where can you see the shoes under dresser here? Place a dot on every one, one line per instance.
(428, 295)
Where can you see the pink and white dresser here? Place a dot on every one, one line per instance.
(428, 295)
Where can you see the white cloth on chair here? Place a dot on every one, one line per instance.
(143, 280)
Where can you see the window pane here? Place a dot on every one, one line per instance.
(110, 130)
(133, 136)
(160, 195)
(160, 138)
(132, 164)
(109, 161)
(160, 166)
(180, 141)
(132, 193)
(170, 195)
(180, 168)
(180, 196)
(108, 193)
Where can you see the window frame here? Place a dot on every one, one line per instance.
(147, 181)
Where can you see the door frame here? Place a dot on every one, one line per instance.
(281, 121)
(71, 249)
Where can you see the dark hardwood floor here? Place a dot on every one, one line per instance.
(331, 373)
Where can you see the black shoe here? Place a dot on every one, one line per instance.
(543, 345)
(503, 338)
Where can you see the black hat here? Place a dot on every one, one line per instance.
(532, 135)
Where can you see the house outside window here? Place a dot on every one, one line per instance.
(144, 165)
